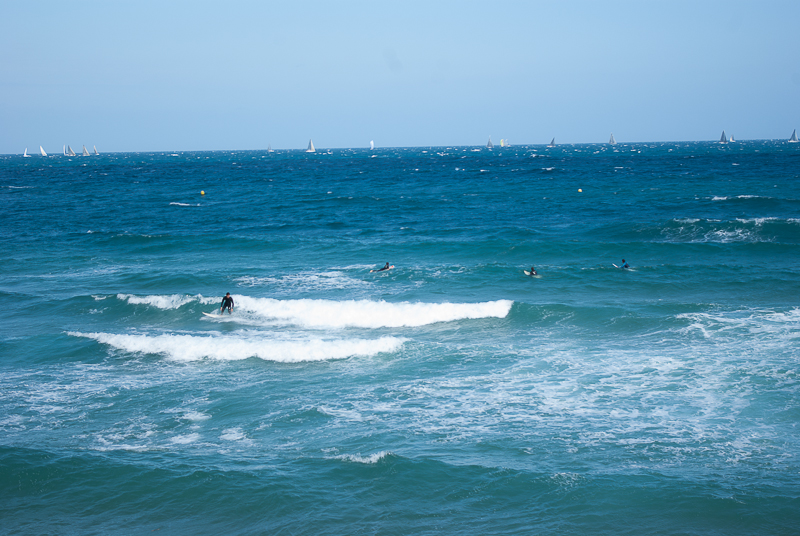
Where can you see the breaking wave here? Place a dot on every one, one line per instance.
(368, 314)
(234, 348)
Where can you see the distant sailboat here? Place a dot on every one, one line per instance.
(552, 143)
(25, 154)
(502, 142)
(95, 150)
(371, 145)
(612, 141)
(65, 150)
(70, 152)
(489, 145)
(85, 152)
(41, 151)
(723, 138)
(269, 148)
(311, 147)
(732, 140)
(793, 139)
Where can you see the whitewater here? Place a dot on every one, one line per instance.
(452, 394)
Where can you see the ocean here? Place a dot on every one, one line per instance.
(452, 394)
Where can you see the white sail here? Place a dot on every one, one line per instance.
(85, 152)
(732, 140)
(95, 150)
(723, 138)
(489, 145)
(25, 154)
(311, 147)
(70, 152)
(552, 143)
(41, 151)
(269, 148)
(65, 150)
(793, 139)
(612, 141)
(502, 142)
(371, 144)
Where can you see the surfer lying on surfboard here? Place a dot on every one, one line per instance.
(387, 267)
(227, 303)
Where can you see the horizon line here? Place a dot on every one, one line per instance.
(366, 147)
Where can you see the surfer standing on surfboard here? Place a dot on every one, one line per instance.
(227, 303)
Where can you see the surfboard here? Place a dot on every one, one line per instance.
(526, 272)
(212, 315)
(621, 267)
(389, 268)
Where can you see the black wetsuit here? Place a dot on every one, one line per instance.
(227, 303)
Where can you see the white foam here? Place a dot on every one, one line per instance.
(368, 314)
(757, 221)
(357, 458)
(185, 204)
(196, 416)
(780, 326)
(172, 301)
(245, 345)
(232, 434)
(185, 439)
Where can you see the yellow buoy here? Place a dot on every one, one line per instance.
(581, 191)
(202, 192)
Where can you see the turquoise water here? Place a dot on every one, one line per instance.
(451, 394)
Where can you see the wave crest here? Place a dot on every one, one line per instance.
(193, 348)
(368, 314)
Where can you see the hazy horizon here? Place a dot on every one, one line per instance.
(144, 77)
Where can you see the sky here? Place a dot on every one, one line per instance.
(241, 75)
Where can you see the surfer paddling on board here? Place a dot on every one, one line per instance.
(624, 265)
(227, 303)
(533, 271)
(386, 267)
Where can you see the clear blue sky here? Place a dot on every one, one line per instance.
(194, 75)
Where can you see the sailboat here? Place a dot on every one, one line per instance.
(371, 145)
(269, 148)
(311, 147)
(95, 150)
(552, 143)
(732, 140)
(502, 142)
(25, 154)
(85, 152)
(722, 138)
(65, 150)
(489, 145)
(70, 152)
(41, 151)
(793, 139)
(612, 141)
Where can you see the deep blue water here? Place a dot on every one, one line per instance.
(450, 395)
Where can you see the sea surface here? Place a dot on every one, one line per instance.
(452, 394)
